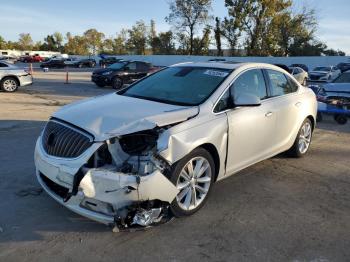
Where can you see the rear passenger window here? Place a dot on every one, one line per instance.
(280, 84)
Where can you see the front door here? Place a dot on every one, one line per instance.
(251, 129)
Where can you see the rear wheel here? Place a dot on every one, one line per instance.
(303, 140)
(9, 84)
(193, 176)
(117, 83)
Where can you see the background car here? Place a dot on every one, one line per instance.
(299, 74)
(70, 61)
(11, 77)
(283, 67)
(53, 63)
(32, 59)
(343, 67)
(324, 73)
(120, 73)
(302, 66)
(84, 63)
(107, 61)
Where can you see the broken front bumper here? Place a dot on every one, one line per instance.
(102, 191)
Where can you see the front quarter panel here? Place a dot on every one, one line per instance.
(175, 143)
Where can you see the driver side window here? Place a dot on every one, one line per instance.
(251, 82)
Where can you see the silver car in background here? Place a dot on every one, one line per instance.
(155, 148)
(299, 74)
(11, 77)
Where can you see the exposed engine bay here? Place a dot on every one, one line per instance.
(120, 169)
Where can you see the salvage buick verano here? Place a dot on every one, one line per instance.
(155, 148)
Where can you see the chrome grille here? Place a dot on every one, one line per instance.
(61, 140)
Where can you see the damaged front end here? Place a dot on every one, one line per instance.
(122, 181)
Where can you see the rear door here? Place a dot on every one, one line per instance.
(251, 129)
(142, 69)
(287, 105)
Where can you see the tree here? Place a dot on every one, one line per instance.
(137, 38)
(94, 40)
(76, 45)
(201, 45)
(233, 26)
(25, 41)
(3, 44)
(258, 22)
(217, 33)
(163, 44)
(188, 15)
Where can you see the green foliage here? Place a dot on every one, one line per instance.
(137, 38)
(25, 42)
(186, 16)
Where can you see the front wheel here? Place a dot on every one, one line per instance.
(193, 176)
(9, 84)
(117, 83)
(303, 140)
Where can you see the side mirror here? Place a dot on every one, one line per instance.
(245, 99)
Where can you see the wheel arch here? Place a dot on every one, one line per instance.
(313, 121)
(215, 154)
(12, 76)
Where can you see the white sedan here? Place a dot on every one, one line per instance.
(155, 148)
(12, 77)
(324, 73)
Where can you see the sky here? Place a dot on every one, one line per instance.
(40, 18)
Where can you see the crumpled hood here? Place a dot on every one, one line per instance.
(113, 115)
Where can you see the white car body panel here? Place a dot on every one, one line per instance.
(23, 77)
(241, 137)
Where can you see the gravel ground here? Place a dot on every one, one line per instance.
(281, 209)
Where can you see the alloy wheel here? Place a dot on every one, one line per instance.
(305, 137)
(9, 85)
(193, 183)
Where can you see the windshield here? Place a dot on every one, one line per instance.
(322, 68)
(187, 86)
(118, 65)
(343, 78)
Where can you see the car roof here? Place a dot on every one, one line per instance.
(229, 65)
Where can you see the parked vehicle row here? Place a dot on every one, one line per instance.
(69, 62)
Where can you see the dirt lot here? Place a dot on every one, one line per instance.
(278, 210)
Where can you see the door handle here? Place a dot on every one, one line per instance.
(298, 104)
(268, 114)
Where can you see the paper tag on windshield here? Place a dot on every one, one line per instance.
(215, 73)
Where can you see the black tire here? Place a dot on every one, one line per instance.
(80, 65)
(175, 174)
(9, 84)
(100, 84)
(295, 150)
(117, 83)
(340, 119)
(93, 65)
